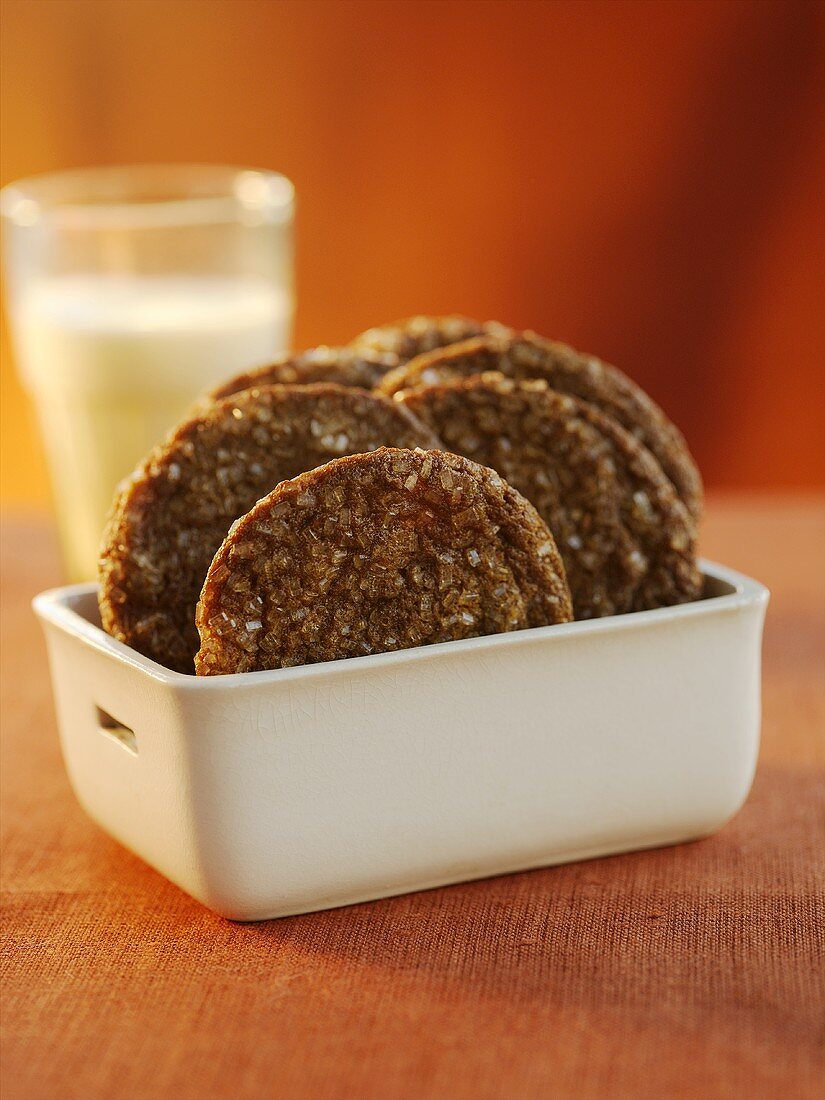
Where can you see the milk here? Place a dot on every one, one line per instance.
(114, 361)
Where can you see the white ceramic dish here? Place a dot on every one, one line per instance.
(281, 792)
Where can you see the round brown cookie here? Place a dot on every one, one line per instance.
(626, 538)
(171, 516)
(526, 355)
(416, 335)
(377, 552)
(342, 366)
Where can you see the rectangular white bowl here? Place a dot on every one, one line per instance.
(281, 792)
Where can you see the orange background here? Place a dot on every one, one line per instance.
(643, 180)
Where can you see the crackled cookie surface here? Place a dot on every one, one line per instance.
(171, 516)
(416, 335)
(626, 539)
(341, 366)
(524, 356)
(377, 552)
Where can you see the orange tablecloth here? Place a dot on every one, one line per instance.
(690, 971)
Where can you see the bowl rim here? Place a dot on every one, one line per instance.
(58, 607)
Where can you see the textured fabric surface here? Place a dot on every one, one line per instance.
(697, 970)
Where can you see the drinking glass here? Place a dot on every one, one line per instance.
(129, 291)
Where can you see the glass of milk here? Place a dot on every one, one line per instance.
(129, 291)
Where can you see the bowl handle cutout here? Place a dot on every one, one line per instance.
(114, 729)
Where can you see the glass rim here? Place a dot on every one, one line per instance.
(147, 196)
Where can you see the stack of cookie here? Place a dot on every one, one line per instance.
(437, 479)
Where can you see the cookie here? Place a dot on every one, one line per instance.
(171, 516)
(377, 552)
(626, 539)
(526, 355)
(342, 366)
(416, 335)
